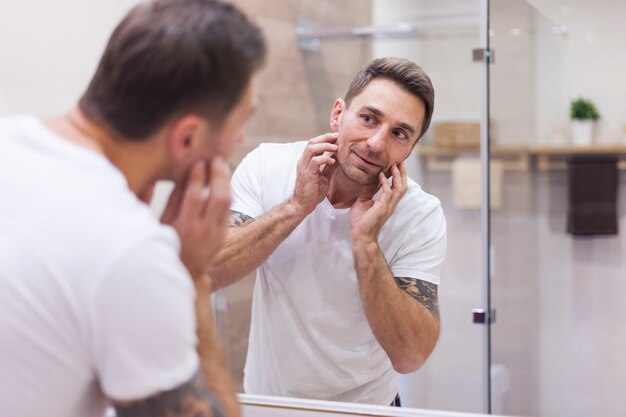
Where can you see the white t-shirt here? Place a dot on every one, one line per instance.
(94, 301)
(309, 336)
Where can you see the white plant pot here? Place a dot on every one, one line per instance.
(582, 132)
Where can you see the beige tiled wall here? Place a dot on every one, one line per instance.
(297, 88)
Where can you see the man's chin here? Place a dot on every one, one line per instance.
(363, 178)
(370, 181)
(359, 176)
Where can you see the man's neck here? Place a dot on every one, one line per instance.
(133, 159)
(343, 191)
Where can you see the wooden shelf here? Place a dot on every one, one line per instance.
(604, 149)
(519, 158)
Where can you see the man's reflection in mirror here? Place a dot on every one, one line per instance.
(348, 248)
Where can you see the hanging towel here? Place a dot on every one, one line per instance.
(592, 182)
(466, 183)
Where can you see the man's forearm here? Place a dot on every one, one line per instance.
(405, 329)
(212, 359)
(247, 247)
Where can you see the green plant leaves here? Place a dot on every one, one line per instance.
(583, 109)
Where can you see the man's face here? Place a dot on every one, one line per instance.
(377, 129)
(203, 142)
(231, 133)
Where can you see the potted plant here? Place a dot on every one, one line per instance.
(584, 114)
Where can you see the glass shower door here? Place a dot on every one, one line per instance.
(558, 342)
(448, 163)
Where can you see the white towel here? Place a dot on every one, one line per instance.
(466, 183)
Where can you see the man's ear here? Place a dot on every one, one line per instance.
(184, 138)
(336, 113)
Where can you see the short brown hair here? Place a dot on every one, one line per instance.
(167, 57)
(405, 73)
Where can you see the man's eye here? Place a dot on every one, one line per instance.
(367, 118)
(400, 134)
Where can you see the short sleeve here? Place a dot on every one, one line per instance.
(143, 323)
(246, 186)
(424, 249)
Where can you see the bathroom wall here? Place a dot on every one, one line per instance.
(297, 88)
(50, 50)
(592, 61)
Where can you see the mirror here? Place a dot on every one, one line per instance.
(297, 93)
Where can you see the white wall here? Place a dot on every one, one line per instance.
(551, 109)
(593, 58)
(50, 50)
(451, 30)
(512, 75)
(587, 62)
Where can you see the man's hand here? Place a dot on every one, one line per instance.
(315, 169)
(200, 218)
(367, 216)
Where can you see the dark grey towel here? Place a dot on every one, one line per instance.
(592, 184)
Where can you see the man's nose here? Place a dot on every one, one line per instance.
(376, 142)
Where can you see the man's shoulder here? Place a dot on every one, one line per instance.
(281, 149)
(128, 242)
(417, 205)
(274, 158)
(135, 220)
(415, 194)
(18, 127)
(265, 177)
(110, 221)
(13, 120)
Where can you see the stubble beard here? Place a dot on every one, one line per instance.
(348, 172)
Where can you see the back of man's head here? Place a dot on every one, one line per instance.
(170, 57)
(407, 74)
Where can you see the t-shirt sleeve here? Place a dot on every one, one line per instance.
(424, 249)
(246, 186)
(143, 323)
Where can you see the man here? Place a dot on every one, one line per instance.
(95, 303)
(346, 289)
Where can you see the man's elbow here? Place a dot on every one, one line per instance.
(406, 365)
(413, 358)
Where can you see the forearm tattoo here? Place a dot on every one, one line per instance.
(192, 399)
(423, 291)
(239, 219)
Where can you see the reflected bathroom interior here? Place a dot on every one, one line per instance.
(538, 271)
